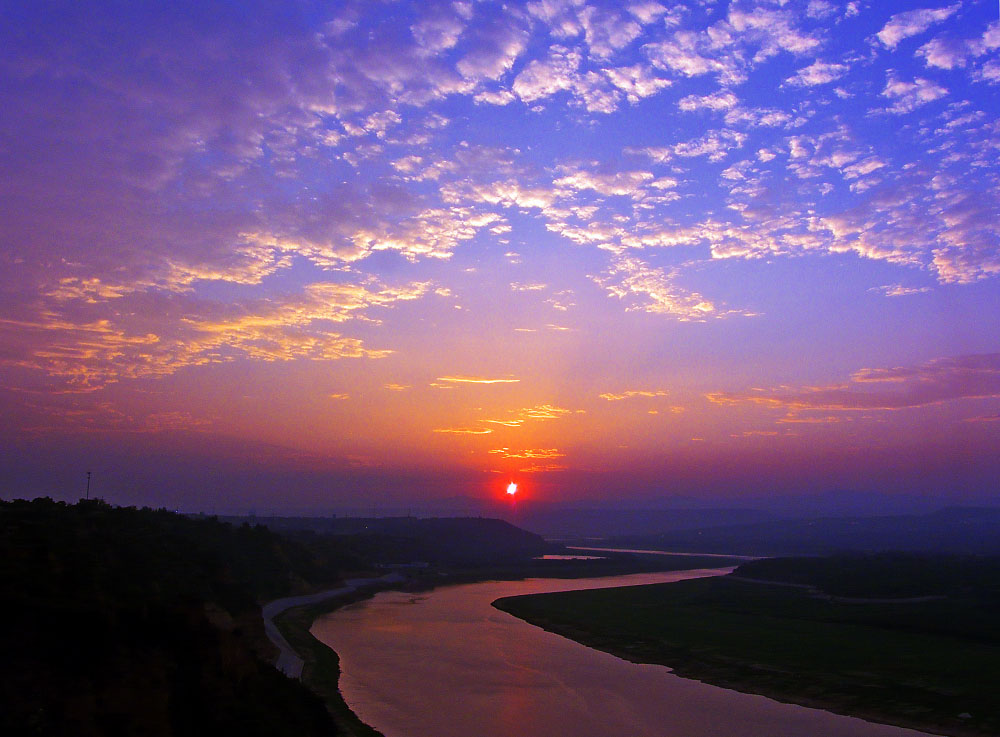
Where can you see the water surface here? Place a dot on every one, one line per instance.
(447, 664)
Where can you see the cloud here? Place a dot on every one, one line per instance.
(717, 101)
(561, 16)
(514, 419)
(647, 11)
(495, 46)
(619, 183)
(542, 78)
(637, 81)
(528, 453)
(88, 414)
(440, 29)
(944, 53)
(629, 394)
(913, 22)
(543, 412)
(537, 412)
(898, 290)
(942, 380)
(714, 144)
(606, 31)
(475, 380)
(982, 418)
(542, 468)
(73, 352)
(948, 52)
(629, 278)
(908, 96)
(773, 30)
(560, 72)
(693, 54)
(817, 73)
(463, 430)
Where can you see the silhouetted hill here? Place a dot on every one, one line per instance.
(446, 541)
(970, 530)
(570, 523)
(134, 621)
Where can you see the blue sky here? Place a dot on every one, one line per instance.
(461, 242)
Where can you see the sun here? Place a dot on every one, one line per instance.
(512, 488)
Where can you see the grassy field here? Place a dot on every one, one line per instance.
(933, 665)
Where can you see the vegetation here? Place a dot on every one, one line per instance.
(467, 542)
(126, 621)
(888, 575)
(930, 663)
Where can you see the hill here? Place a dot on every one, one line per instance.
(968, 530)
(134, 621)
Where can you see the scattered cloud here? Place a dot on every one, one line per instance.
(717, 101)
(629, 394)
(654, 290)
(88, 354)
(817, 73)
(942, 380)
(908, 96)
(475, 380)
(529, 453)
(913, 22)
(463, 430)
(898, 290)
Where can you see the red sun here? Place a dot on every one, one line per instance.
(512, 488)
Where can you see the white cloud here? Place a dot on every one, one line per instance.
(908, 96)
(542, 78)
(619, 183)
(637, 81)
(717, 101)
(607, 31)
(898, 290)
(913, 22)
(817, 73)
(654, 290)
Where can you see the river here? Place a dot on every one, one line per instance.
(447, 664)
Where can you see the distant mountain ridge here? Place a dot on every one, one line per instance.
(968, 530)
(564, 523)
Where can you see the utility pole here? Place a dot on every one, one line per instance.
(88, 486)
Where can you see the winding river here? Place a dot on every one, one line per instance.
(447, 664)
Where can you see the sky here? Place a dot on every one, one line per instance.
(289, 255)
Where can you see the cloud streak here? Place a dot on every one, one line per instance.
(935, 382)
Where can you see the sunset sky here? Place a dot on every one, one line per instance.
(294, 255)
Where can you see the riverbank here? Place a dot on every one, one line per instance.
(318, 666)
(887, 663)
(320, 670)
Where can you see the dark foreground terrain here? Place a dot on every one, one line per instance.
(141, 622)
(124, 621)
(907, 639)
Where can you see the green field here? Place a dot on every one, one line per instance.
(920, 664)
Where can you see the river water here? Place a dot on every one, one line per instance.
(447, 664)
